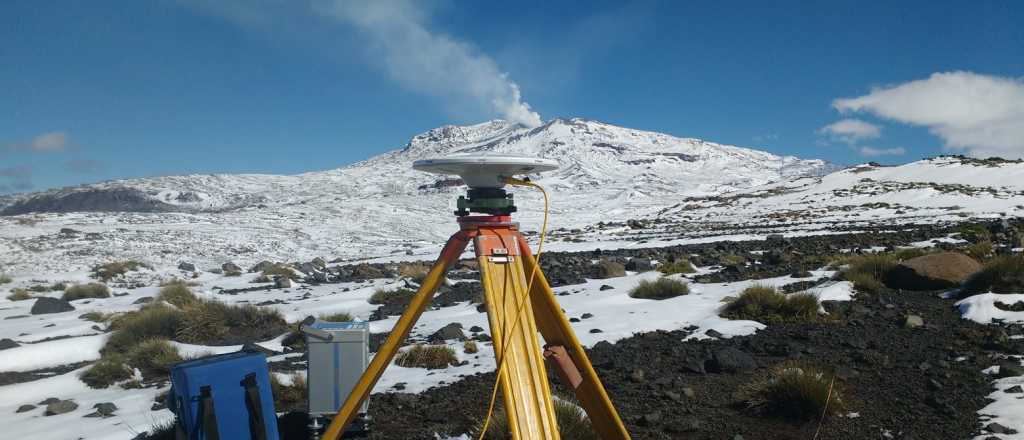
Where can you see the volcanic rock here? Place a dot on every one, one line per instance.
(931, 272)
(44, 305)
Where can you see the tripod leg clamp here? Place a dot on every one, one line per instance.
(566, 369)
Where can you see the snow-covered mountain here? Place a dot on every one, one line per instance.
(683, 189)
(594, 157)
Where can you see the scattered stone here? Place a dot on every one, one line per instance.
(283, 282)
(931, 272)
(476, 329)
(260, 267)
(637, 376)
(143, 300)
(45, 305)
(1009, 369)
(605, 287)
(635, 224)
(731, 360)
(250, 347)
(639, 264)
(713, 333)
(25, 408)
(800, 273)
(8, 343)
(1016, 389)
(230, 268)
(596, 330)
(574, 320)
(60, 407)
(688, 392)
(609, 269)
(69, 231)
(105, 408)
(586, 316)
(49, 400)
(996, 428)
(913, 321)
(448, 332)
(186, 266)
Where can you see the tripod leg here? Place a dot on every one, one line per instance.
(523, 376)
(555, 329)
(449, 255)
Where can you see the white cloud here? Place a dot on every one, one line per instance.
(873, 152)
(430, 62)
(981, 115)
(52, 141)
(851, 131)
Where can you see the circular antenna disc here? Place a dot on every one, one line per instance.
(485, 171)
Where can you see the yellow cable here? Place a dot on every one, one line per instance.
(506, 337)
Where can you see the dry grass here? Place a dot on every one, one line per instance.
(95, 316)
(19, 295)
(1004, 274)
(109, 271)
(414, 271)
(153, 322)
(680, 265)
(83, 291)
(765, 304)
(210, 322)
(573, 423)
(470, 347)
(795, 391)
(336, 317)
(178, 294)
(280, 270)
(981, 251)
(106, 372)
(732, 260)
(431, 357)
(867, 271)
(153, 357)
(662, 288)
(289, 397)
(4, 279)
(382, 296)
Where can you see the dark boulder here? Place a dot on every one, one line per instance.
(44, 305)
(730, 360)
(448, 332)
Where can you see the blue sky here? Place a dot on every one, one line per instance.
(110, 89)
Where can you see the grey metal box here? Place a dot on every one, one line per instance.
(338, 353)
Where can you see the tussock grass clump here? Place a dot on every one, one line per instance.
(903, 254)
(153, 322)
(867, 271)
(573, 423)
(279, 270)
(382, 296)
(95, 316)
(414, 271)
(680, 265)
(1004, 274)
(83, 291)
(981, 251)
(216, 323)
(4, 279)
(974, 232)
(19, 295)
(107, 371)
(732, 260)
(291, 396)
(109, 271)
(153, 357)
(470, 347)
(431, 357)
(662, 288)
(177, 293)
(764, 303)
(337, 317)
(795, 390)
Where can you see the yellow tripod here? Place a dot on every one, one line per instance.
(506, 264)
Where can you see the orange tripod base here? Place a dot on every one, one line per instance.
(520, 303)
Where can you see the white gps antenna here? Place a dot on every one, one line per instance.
(485, 176)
